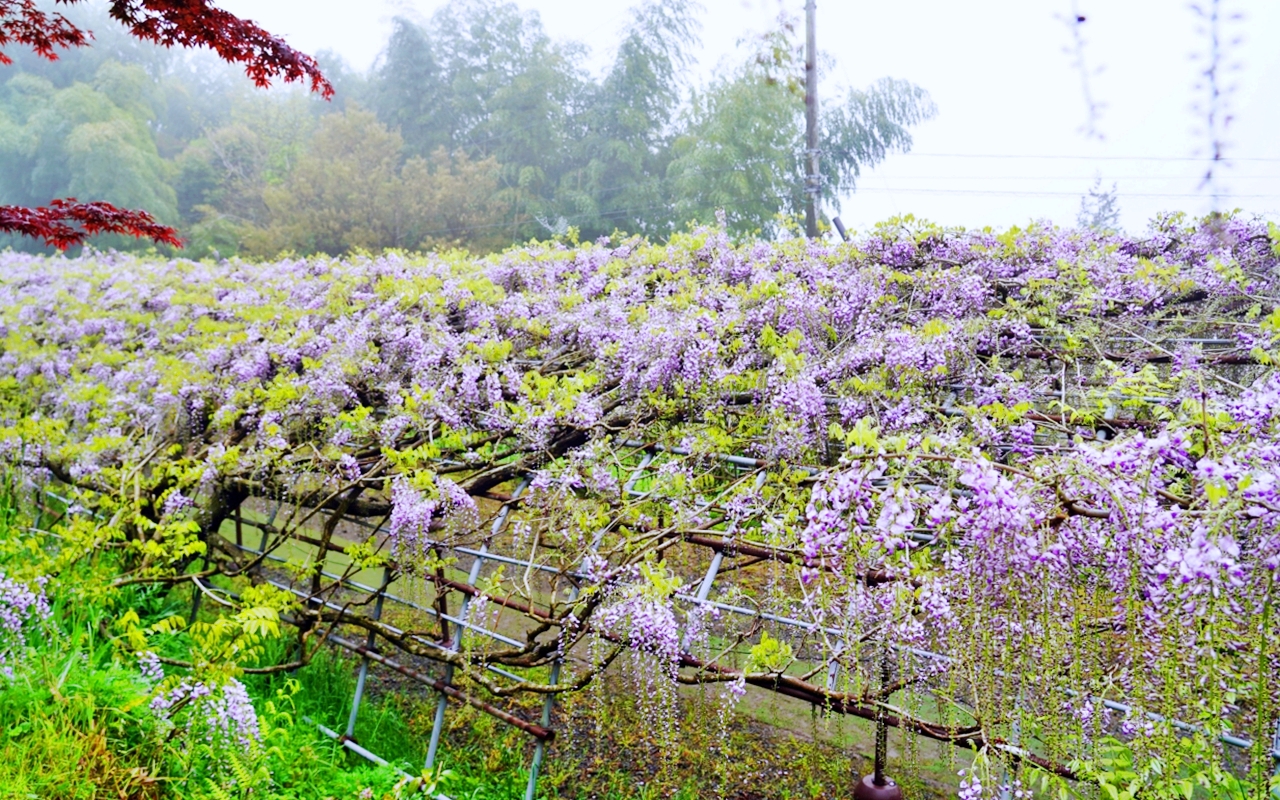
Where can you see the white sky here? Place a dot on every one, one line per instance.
(1007, 145)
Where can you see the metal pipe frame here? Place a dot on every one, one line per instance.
(650, 453)
(701, 598)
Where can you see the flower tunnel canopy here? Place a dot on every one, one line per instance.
(1014, 491)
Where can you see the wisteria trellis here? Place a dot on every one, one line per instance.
(1037, 469)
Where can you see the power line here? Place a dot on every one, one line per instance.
(979, 155)
(1015, 192)
(1105, 179)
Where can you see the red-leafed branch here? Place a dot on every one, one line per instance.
(22, 23)
(186, 23)
(196, 23)
(67, 223)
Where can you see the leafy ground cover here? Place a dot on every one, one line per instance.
(80, 717)
(77, 720)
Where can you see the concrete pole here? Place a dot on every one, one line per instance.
(811, 183)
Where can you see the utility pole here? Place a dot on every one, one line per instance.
(812, 181)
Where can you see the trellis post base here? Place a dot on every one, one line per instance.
(868, 789)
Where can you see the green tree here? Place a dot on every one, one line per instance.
(111, 42)
(353, 189)
(84, 140)
(489, 133)
(869, 124)
(456, 201)
(617, 180)
(485, 77)
(220, 178)
(408, 89)
(350, 86)
(740, 151)
(113, 122)
(342, 192)
(742, 146)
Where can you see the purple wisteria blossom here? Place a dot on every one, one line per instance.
(418, 521)
(22, 606)
(222, 716)
(649, 625)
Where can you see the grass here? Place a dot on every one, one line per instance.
(75, 718)
(76, 722)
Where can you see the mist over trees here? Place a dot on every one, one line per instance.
(473, 129)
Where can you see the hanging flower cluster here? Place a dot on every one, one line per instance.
(220, 716)
(21, 606)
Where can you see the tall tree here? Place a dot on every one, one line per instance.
(87, 140)
(353, 189)
(456, 200)
(740, 152)
(866, 127)
(409, 89)
(742, 146)
(344, 192)
(617, 180)
(483, 76)
(221, 177)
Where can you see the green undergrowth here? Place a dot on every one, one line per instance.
(76, 721)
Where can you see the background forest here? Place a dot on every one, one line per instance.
(473, 129)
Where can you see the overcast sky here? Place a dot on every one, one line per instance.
(1007, 145)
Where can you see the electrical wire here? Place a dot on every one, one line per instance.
(1199, 159)
(1031, 193)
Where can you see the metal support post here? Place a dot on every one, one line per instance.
(539, 750)
(262, 543)
(629, 488)
(882, 730)
(876, 786)
(1015, 739)
(364, 660)
(704, 590)
(844, 235)
(833, 669)
(437, 725)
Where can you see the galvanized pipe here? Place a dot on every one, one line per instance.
(437, 726)
(364, 660)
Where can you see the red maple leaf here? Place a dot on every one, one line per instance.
(196, 23)
(65, 223)
(186, 23)
(22, 23)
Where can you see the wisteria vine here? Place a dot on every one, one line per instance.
(1034, 470)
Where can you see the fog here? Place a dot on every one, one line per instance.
(1009, 143)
